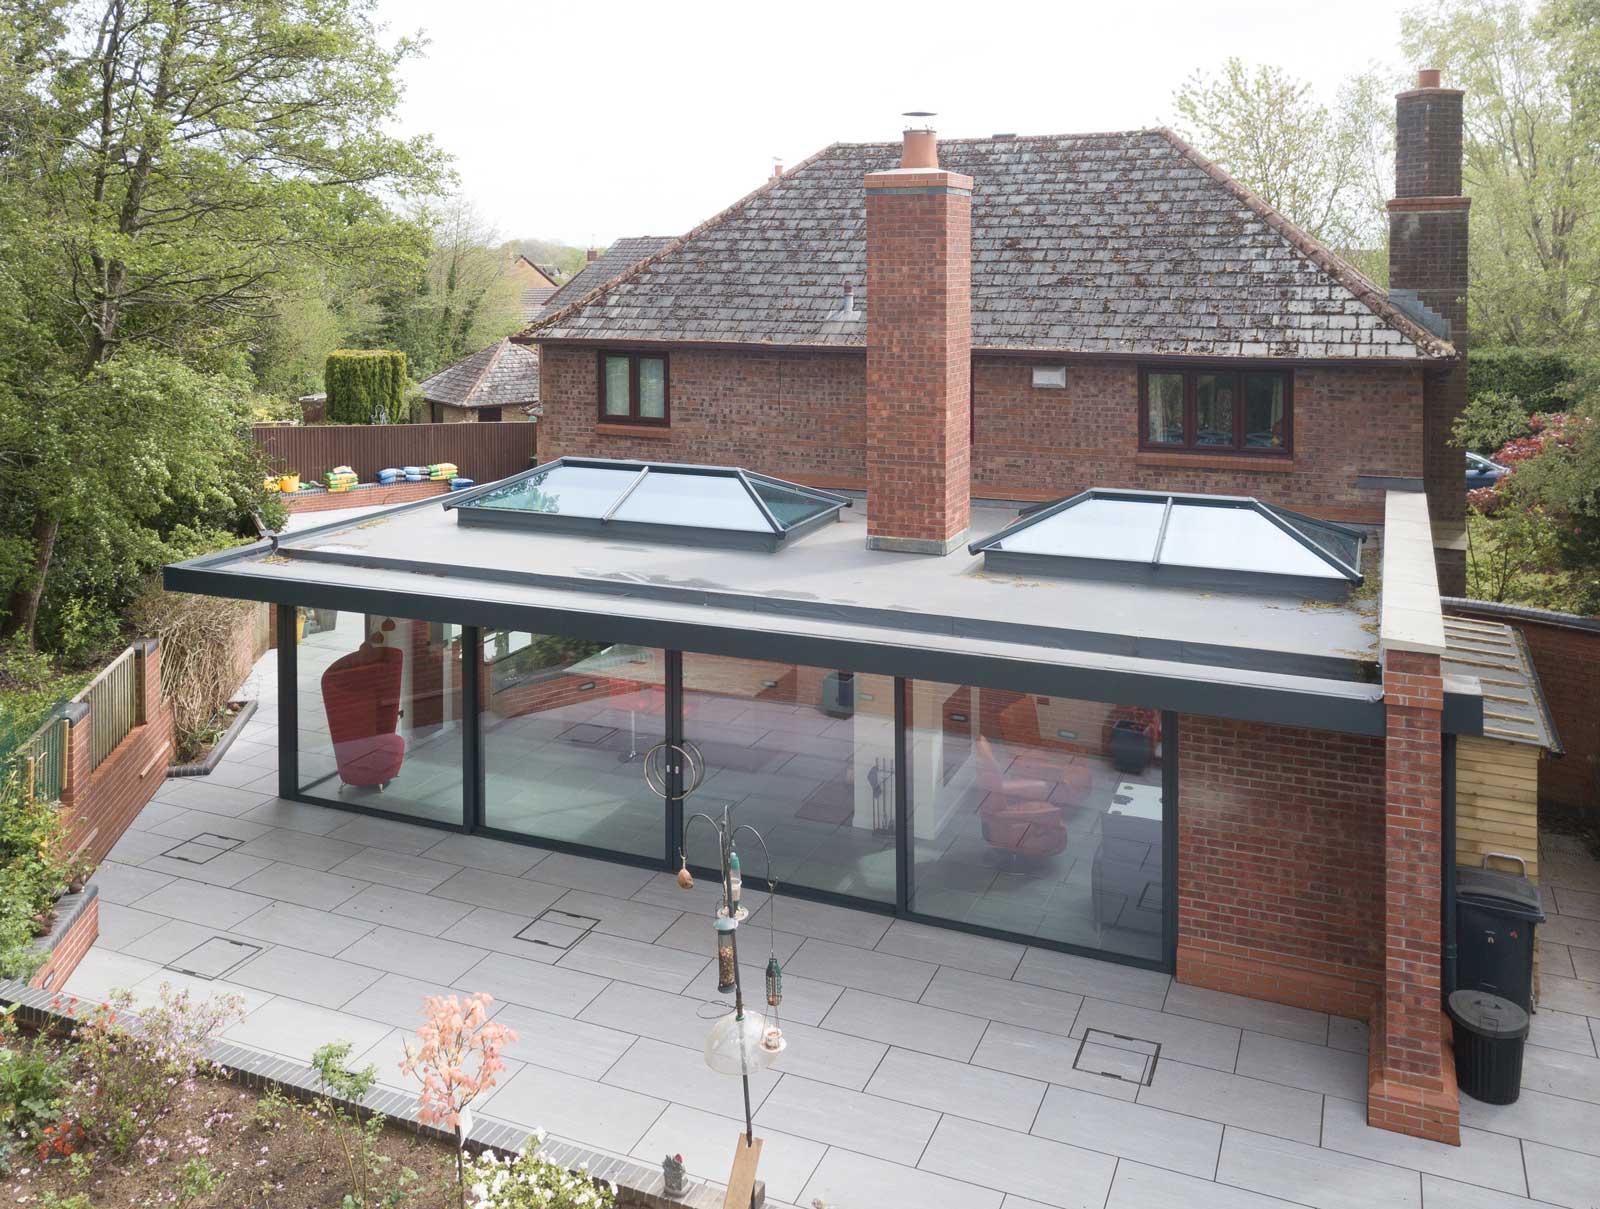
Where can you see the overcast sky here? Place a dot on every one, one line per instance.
(588, 121)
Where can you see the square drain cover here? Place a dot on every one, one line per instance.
(1130, 1059)
(201, 848)
(557, 929)
(213, 958)
(587, 733)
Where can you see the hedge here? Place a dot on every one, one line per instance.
(365, 386)
(1534, 375)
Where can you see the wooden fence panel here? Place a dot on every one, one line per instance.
(485, 452)
(114, 698)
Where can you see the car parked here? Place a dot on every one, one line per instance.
(1481, 472)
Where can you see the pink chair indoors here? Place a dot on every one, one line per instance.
(361, 694)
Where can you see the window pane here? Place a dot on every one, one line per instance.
(1036, 815)
(1165, 419)
(616, 386)
(380, 713)
(806, 756)
(1264, 426)
(1213, 409)
(652, 388)
(566, 723)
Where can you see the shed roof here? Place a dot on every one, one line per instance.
(1122, 243)
(503, 375)
(1514, 708)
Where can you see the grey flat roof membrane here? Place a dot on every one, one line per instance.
(652, 501)
(1196, 541)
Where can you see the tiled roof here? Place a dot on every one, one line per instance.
(1100, 243)
(1496, 656)
(613, 262)
(502, 375)
(532, 300)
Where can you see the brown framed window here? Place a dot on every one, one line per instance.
(633, 387)
(1216, 411)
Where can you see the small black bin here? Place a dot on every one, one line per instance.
(1495, 916)
(1489, 1035)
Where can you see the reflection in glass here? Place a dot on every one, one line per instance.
(380, 712)
(1263, 411)
(1213, 409)
(618, 376)
(566, 725)
(652, 388)
(807, 756)
(1164, 396)
(1037, 815)
(788, 506)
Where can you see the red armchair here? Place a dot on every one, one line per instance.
(1014, 814)
(361, 694)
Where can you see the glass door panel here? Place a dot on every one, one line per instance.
(1040, 816)
(380, 712)
(806, 755)
(566, 724)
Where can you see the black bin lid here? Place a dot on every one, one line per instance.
(1488, 1015)
(1508, 893)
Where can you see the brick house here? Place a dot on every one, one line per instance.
(1171, 718)
(1137, 319)
(536, 284)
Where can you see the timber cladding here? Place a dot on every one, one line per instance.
(1497, 801)
(484, 452)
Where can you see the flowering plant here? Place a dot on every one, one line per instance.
(530, 1182)
(456, 1058)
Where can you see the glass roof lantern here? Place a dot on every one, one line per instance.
(1219, 542)
(660, 501)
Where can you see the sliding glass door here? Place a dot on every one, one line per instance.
(565, 727)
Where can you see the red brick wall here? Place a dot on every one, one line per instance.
(802, 415)
(1568, 663)
(69, 949)
(1280, 874)
(100, 804)
(365, 495)
(919, 356)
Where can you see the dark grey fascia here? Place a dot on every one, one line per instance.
(1347, 713)
(1201, 579)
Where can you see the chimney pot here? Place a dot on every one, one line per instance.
(1428, 77)
(920, 150)
(777, 170)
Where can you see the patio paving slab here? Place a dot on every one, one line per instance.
(1440, 1193)
(299, 927)
(303, 886)
(633, 961)
(493, 856)
(853, 1120)
(400, 952)
(1561, 1074)
(561, 1042)
(1182, 1039)
(300, 848)
(200, 903)
(1138, 1186)
(1310, 1175)
(1483, 1159)
(955, 1087)
(399, 869)
(1316, 1068)
(483, 888)
(1269, 1108)
(405, 838)
(406, 909)
(127, 884)
(324, 981)
(846, 1178)
(1539, 1117)
(1039, 1169)
(1279, 1020)
(679, 1074)
(297, 1030)
(1130, 1131)
(953, 950)
(847, 966)
(707, 1143)
(1047, 1056)
(1086, 976)
(1561, 1030)
(1563, 1177)
(907, 1025)
(1001, 999)
(593, 1114)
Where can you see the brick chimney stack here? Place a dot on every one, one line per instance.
(919, 352)
(591, 255)
(1428, 254)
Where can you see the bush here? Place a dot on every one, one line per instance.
(1489, 421)
(366, 386)
(1541, 378)
(529, 1182)
(33, 873)
(199, 636)
(32, 1076)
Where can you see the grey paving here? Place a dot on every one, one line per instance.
(923, 1067)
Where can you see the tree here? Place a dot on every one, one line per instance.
(164, 165)
(1532, 124)
(1323, 169)
(568, 259)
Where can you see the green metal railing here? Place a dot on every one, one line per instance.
(116, 704)
(42, 760)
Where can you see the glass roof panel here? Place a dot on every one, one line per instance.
(563, 490)
(1120, 529)
(787, 505)
(1237, 539)
(705, 501)
(1342, 543)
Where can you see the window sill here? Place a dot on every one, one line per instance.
(1263, 464)
(650, 432)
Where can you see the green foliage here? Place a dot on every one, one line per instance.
(196, 1179)
(1532, 112)
(1322, 167)
(1542, 379)
(530, 1182)
(366, 386)
(357, 1137)
(1489, 420)
(565, 257)
(33, 873)
(32, 1078)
